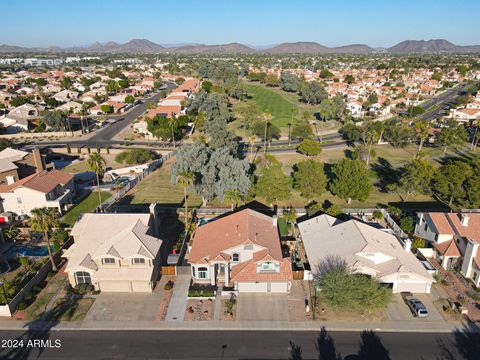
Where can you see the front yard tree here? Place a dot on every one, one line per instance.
(309, 178)
(55, 119)
(289, 82)
(309, 147)
(233, 197)
(313, 92)
(346, 291)
(97, 163)
(44, 220)
(273, 184)
(351, 180)
(186, 180)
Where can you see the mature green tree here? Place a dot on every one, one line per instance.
(273, 184)
(207, 86)
(273, 132)
(55, 120)
(129, 99)
(325, 74)
(271, 80)
(123, 83)
(106, 109)
(421, 129)
(416, 178)
(289, 82)
(97, 164)
(309, 147)
(216, 170)
(309, 178)
(346, 291)
(449, 182)
(312, 92)
(398, 134)
(326, 110)
(302, 130)
(251, 114)
(453, 134)
(135, 156)
(349, 79)
(44, 220)
(233, 197)
(112, 87)
(351, 132)
(351, 180)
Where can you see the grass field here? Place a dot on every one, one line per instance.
(85, 206)
(273, 103)
(158, 188)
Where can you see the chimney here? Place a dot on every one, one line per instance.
(10, 179)
(407, 245)
(464, 219)
(38, 159)
(153, 211)
(470, 253)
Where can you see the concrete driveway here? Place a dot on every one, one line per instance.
(399, 311)
(268, 307)
(125, 306)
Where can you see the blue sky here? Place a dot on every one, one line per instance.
(331, 23)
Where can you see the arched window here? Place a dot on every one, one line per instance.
(235, 257)
(202, 273)
(83, 277)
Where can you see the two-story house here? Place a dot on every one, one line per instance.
(115, 252)
(54, 189)
(240, 250)
(454, 237)
(19, 163)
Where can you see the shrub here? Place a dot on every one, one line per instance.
(229, 307)
(84, 288)
(377, 214)
(473, 295)
(24, 261)
(22, 306)
(201, 293)
(168, 285)
(135, 156)
(309, 147)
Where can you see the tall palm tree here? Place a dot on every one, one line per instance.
(186, 180)
(44, 220)
(233, 197)
(173, 124)
(96, 163)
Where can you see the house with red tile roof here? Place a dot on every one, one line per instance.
(240, 250)
(54, 189)
(454, 237)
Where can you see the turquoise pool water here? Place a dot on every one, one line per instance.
(19, 250)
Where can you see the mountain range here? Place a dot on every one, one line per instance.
(143, 46)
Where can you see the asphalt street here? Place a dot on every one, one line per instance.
(237, 345)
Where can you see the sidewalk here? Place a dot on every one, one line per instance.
(397, 326)
(178, 301)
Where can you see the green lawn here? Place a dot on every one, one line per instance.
(86, 205)
(272, 102)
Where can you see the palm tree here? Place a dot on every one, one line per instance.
(96, 163)
(173, 124)
(11, 233)
(44, 220)
(233, 197)
(185, 179)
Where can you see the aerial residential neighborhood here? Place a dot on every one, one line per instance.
(249, 180)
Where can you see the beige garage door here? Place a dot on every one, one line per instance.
(141, 286)
(419, 288)
(115, 286)
(252, 287)
(278, 287)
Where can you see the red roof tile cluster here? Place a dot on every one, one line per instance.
(44, 181)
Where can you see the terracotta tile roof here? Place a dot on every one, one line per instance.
(247, 271)
(246, 226)
(168, 110)
(441, 223)
(448, 248)
(44, 181)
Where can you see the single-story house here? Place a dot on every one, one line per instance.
(367, 250)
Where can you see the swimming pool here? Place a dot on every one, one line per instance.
(19, 250)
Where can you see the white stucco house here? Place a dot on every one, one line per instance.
(367, 250)
(115, 252)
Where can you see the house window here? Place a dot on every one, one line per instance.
(202, 273)
(426, 227)
(19, 200)
(138, 261)
(235, 257)
(83, 277)
(248, 247)
(268, 266)
(108, 261)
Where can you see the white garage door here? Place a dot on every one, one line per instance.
(278, 287)
(141, 286)
(115, 286)
(419, 288)
(252, 287)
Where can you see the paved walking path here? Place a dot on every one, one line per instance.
(178, 302)
(218, 308)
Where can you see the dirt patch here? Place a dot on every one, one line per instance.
(198, 310)
(167, 292)
(324, 313)
(228, 310)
